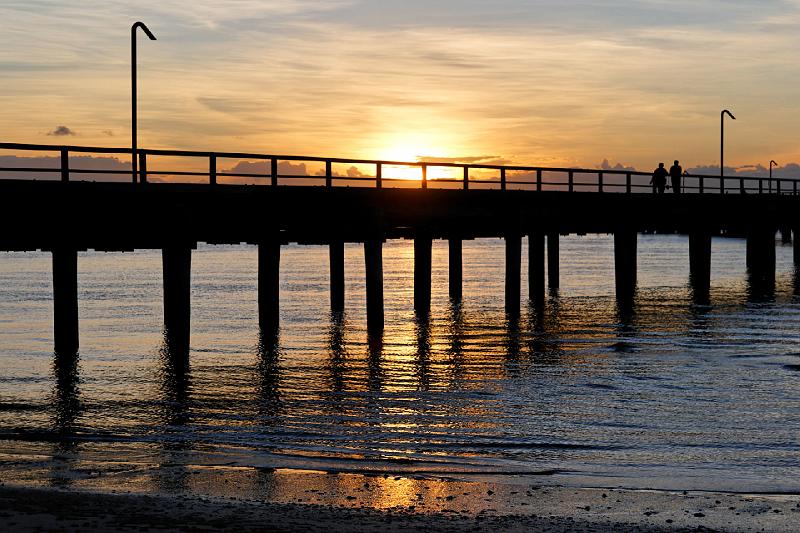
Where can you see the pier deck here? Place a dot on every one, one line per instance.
(69, 214)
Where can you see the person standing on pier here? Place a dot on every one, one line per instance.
(659, 179)
(676, 172)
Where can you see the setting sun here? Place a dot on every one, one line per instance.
(413, 150)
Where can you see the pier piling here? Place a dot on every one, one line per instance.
(700, 262)
(422, 273)
(513, 260)
(177, 265)
(796, 249)
(456, 268)
(552, 260)
(65, 300)
(373, 262)
(625, 244)
(536, 287)
(337, 275)
(269, 262)
(761, 252)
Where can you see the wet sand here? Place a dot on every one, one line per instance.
(353, 502)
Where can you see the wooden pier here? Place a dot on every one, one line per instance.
(69, 213)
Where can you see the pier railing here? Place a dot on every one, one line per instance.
(78, 163)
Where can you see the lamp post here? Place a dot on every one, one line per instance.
(136, 25)
(722, 148)
(771, 164)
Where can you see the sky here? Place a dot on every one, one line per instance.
(548, 82)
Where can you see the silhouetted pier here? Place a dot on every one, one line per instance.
(332, 201)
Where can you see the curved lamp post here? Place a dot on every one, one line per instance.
(722, 148)
(771, 164)
(152, 37)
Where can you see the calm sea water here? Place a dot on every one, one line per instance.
(674, 395)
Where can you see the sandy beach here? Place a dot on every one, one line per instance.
(354, 502)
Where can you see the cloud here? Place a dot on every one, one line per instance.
(285, 168)
(353, 172)
(108, 133)
(789, 170)
(606, 165)
(61, 131)
(118, 170)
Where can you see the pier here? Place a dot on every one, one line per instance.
(66, 209)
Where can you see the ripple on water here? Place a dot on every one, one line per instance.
(668, 390)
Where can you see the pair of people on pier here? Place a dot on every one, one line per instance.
(659, 179)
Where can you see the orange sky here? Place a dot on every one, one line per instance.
(546, 83)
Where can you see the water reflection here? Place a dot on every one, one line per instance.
(175, 381)
(700, 321)
(545, 330)
(467, 388)
(626, 315)
(455, 349)
(66, 395)
(422, 327)
(796, 281)
(268, 388)
(337, 363)
(700, 292)
(67, 408)
(375, 361)
(760, 287)
(513, 341)
(175, 388)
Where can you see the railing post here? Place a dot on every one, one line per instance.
(794, 187)
(502, 179)
(700, 183)
(741, 186)
(64, 164)
(274, 170)
(539, 179)
(424, 176)
(142, 166)
(600, 181)
(628, 182)
(328, 174)
(466, 178)
(379, 176)
(212, 169)
(760, 186)
(778, 185)
(721, 185)
(570, 180)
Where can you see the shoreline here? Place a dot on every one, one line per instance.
(316, 501)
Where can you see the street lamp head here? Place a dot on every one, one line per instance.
(726, 112)
(144, 28)
(773, 162)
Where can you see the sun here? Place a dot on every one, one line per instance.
(400, 153)
(404, 149)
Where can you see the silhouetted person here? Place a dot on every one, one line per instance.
(659, 179)
(675, 172)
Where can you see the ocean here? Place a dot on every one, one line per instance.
(668, 395)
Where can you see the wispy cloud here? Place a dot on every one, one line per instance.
(548, 83)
